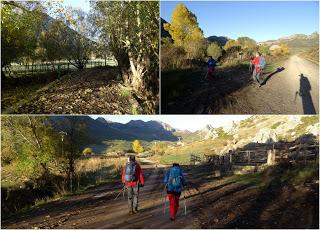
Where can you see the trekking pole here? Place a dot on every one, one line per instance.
(165, 199)
(185, 205)
(122, 191)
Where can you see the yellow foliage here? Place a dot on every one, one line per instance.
(137, 146)
(184, 27)
(231, 43)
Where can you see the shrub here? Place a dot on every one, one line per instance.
(87, 151)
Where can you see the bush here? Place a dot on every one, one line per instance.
(172, 57)
(87, 151)
(214, 50)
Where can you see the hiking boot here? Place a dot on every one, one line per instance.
(130, 212)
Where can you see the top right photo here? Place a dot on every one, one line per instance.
(239, 57)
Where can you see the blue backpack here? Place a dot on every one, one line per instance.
(211, 63)
(262, 62)
(130, 172)
(175, 178)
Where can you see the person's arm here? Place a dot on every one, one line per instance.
(166, 177)
(122, 178)
(141, 177)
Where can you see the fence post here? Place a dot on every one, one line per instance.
(249, 157)
(271, 157)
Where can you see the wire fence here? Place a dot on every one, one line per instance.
(19, 70)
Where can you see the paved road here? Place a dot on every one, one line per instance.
(294, 90)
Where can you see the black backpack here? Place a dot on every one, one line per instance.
(130, 172)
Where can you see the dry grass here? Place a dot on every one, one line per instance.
(95, 164)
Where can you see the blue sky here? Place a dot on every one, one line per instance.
(259, 20)
(189, 122)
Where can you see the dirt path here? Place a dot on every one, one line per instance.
(98, 209)
(229, 202)
(295, 90)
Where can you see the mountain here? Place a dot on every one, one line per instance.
(100, 129)
(220, 40)
(164, 33)
(297, 41)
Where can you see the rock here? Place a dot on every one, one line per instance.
(313, 129)
(216, 220)
(266, 135)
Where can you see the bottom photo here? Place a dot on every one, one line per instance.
(173, 171)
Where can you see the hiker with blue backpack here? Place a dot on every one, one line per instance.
(174, 181)
(211, 67)
(133, 178)
(259, 63)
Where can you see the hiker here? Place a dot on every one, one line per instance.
(259, 63)
(174, 181)
(133, 178)
(211, 66)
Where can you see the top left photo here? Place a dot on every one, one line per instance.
(79, 57)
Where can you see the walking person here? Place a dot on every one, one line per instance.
(211, 67)
(174, 181)
(259, 63)
(133, 178)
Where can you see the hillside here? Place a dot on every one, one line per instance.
(297, 42)
(243, 135)
(104, 136)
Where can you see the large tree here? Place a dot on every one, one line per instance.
(132, 30)
(185, 31)
(20, 26)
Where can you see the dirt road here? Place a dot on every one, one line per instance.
(294, 90)
(98, 209)
(229, 202)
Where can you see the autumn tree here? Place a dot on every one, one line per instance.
(20, 25)
(137, 146)
(74, 132)
(78, 43)
(232, 45)
(185, 31)
(214, 50)
(30, 145)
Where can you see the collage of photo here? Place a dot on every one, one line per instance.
(159, 114)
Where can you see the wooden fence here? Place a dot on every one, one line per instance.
(256, 157)
(32, 69)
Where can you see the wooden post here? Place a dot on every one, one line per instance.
(249, 158)
(271, 157)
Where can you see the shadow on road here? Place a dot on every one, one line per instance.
(278, 70)
(304, 93)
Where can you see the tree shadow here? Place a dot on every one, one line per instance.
(304, 93)
(278, 70)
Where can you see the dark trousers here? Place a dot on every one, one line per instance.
(133, 196)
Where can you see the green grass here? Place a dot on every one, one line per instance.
(125, 92)
(276, 125)
(301, 173)
(306, 121)
(183, 158)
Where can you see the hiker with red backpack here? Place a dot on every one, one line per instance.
(259, 63)
(133, 178)
(174, 182)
